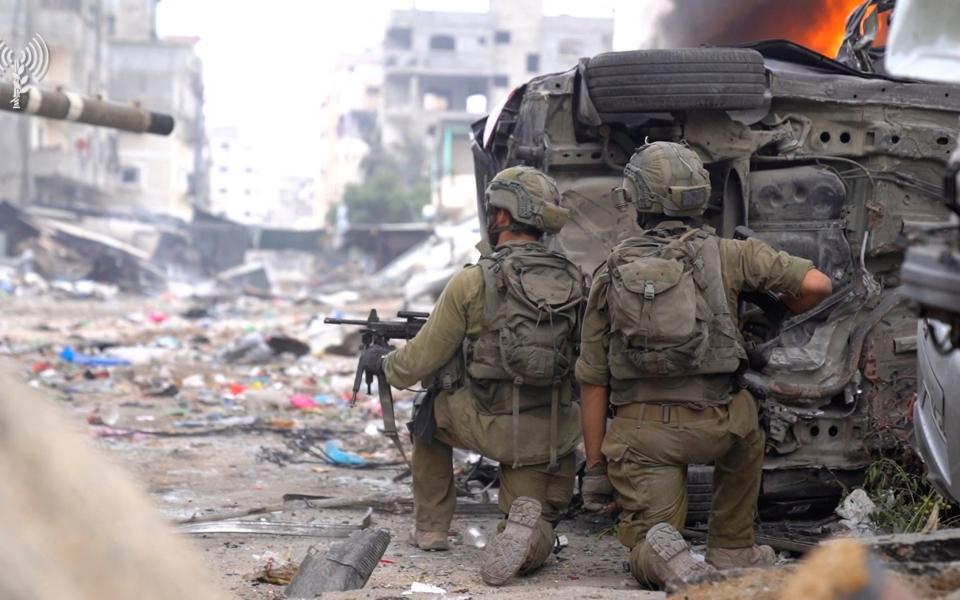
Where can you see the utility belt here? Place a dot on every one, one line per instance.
(669, 413)
(693, 391)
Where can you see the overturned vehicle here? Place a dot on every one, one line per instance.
(822, 159)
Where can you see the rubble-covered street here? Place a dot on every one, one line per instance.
(257, 455)
(272, 440)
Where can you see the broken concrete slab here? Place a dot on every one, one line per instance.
(346, 566)
(250, 278)
(938, 546)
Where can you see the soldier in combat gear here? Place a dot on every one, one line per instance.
(661, 343)
(497, 354)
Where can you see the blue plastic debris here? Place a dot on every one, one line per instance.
(341, 457)
(68, 354)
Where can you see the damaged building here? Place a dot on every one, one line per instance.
(441, 70)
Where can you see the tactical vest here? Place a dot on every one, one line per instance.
(525, 356)
(669, 315)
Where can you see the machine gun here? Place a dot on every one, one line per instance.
(379, 333)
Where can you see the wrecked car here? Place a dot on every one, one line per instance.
(822, 159)
(924, 44)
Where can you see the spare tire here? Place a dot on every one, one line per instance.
(621, 83)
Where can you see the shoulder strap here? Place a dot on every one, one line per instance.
(490, 266)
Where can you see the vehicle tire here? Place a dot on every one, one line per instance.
(699, 494)
(637, 81)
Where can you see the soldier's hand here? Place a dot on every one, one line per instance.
(371, 359)
(597, 490)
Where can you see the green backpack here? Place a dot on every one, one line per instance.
(531, 328)
(669, 316)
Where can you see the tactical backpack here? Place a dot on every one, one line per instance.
(531, 327)
(669, 315)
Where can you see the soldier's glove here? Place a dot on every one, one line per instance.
(371, 359)
(596, 489)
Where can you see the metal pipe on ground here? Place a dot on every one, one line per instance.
(68, 106)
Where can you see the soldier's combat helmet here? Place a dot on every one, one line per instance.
(665, 178)
(530, 196)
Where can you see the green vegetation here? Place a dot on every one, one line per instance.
(394, 188)
(906, 502)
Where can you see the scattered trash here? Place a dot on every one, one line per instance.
(855, 510)
(196, 312)
(340, 457)
(99, 416)
(281, 344)
(255, 348)
(167, 342)
(346, 565)
(70, 355)
(274, 570)
(157, 317)
(474, 537)
(324, 400)
(159, 386)
(193, 381)
(423, 588)
(302, 401)
(137, 355)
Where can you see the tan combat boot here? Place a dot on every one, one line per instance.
(739, 558)
(665, 559)
(429, 540)
(506, 553)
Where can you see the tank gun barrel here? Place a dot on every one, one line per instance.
(68, 106)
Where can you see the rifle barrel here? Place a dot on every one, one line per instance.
(333, 321)
(411, 314)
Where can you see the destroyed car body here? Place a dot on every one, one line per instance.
(924, 44)
(816, 158)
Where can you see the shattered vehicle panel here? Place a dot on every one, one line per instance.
(818, 159)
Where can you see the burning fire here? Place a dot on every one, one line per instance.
(825, 33)
(817, 24)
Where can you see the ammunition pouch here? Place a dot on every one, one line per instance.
(423, 425)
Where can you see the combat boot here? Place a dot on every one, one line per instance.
(665, 558)
(429, 540)
(739, 558)
(506, 553)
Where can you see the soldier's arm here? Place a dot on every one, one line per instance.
(593, 372)
(593, 420)
(440, 337)
(800, 285)
(813, 290)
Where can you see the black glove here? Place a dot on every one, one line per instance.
(596, 489)
(371, 359)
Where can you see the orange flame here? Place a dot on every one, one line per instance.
(825, 34)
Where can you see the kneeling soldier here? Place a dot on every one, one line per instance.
(662, 344)
(498, 350)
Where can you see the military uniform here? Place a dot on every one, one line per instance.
(662, 424)
(462, 422)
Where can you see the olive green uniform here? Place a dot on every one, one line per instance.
(664, 424)
(456, 317)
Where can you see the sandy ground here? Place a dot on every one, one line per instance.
(190, 472)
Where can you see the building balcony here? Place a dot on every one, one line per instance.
(439, 62)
